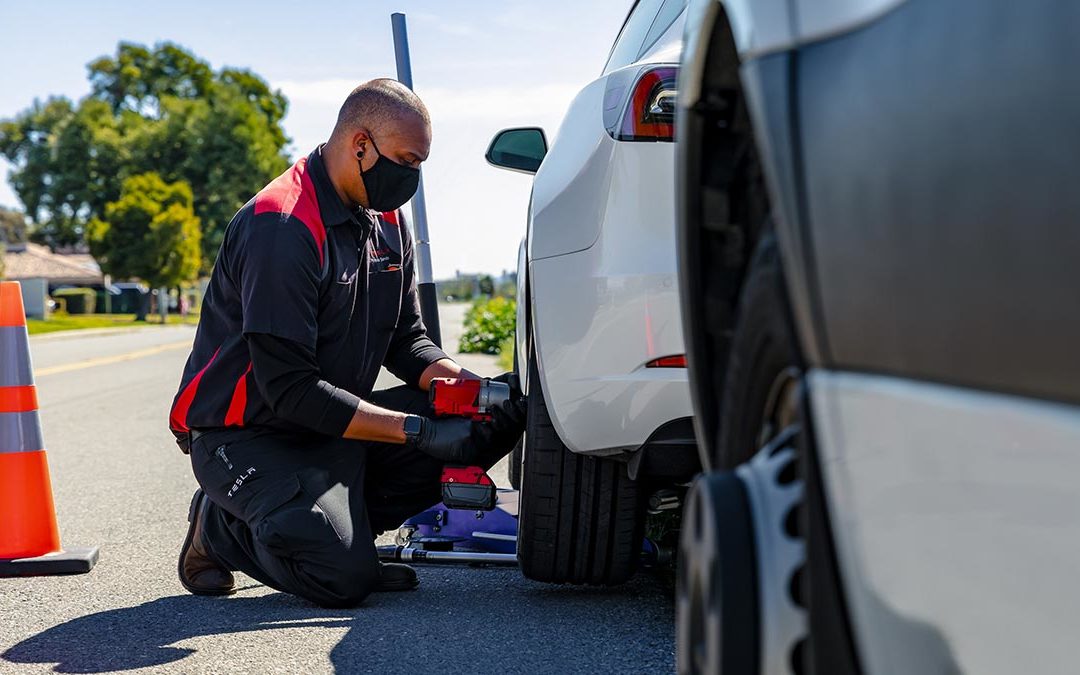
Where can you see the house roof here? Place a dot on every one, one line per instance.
(31, 261)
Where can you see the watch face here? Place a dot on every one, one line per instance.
(412, 425)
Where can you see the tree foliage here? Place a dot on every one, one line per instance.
(12, 231)
(150, 232)
(161, 110)
(12, 226)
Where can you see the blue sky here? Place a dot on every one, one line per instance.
(481, 65)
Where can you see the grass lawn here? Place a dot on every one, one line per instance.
(58, 322)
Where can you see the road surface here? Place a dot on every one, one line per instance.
(121, 484)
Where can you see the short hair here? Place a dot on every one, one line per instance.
(379, 102)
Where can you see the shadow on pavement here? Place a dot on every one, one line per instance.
(475, 621)
(139, 637)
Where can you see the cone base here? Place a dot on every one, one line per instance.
(71, 561)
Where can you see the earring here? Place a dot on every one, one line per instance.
(359, 154)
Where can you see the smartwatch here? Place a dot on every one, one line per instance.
(412, 426)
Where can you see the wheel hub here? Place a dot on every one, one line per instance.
(740, 604)
(775, 493)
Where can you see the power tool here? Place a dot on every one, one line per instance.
(467, 487)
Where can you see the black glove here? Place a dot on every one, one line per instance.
(508, 418)
(499, 436)
(448, 439)
(511, 379)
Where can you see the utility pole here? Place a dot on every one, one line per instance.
(425, 282)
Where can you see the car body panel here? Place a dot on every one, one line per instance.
(600, 314)
(822, 19)
(521, 321)
(958, 522)
(933, 180)
(599, 270)
(758, 27)
(566, 214)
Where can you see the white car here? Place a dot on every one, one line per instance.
(878, 233)
(599, 336)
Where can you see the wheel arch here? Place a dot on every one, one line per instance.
(723, 210)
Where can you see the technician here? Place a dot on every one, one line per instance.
(300, 463)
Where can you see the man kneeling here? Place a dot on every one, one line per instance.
(300, 463)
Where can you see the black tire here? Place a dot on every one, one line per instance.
(513, 471)
(716, 557)
(762, 349)
(581, 518)
(717, 617)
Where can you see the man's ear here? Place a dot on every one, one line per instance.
(360, 143)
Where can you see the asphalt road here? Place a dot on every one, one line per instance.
(121, 484)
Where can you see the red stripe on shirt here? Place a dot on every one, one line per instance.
(293, 194)
(235, 415)
(178, 416)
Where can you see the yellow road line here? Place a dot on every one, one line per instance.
(106, 360)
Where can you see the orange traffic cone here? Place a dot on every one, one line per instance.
(29, 540)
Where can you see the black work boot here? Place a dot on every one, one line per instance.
(198, 571)
(396, 577)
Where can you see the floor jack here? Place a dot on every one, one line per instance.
(476, 523)
(447, 533)
(461, 532)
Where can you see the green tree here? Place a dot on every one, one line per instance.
(12, 226)
(150, 232)
(159, 109)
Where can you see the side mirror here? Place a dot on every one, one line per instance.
(520, 149)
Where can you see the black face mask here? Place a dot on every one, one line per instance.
(388, 184)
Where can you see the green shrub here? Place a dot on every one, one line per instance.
(488, 323)
(506, 354)
(77, 300)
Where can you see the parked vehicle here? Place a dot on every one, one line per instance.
(599, 338)
(877, 239)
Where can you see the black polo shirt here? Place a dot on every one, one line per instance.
(300, 275)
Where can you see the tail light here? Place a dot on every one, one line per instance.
(639, 104)
(677, 361)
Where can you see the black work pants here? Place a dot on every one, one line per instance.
(299, 512)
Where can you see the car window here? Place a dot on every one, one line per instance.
(628, 44)
(670, 11)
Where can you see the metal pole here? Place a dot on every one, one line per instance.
(425, 282)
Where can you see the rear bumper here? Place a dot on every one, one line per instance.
(616, 415)
(594, 330)
(670, 454)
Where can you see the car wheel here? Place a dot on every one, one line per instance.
(581, 518)
(742, 555)
(513, 471)
(762, 366)
(740, 595)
